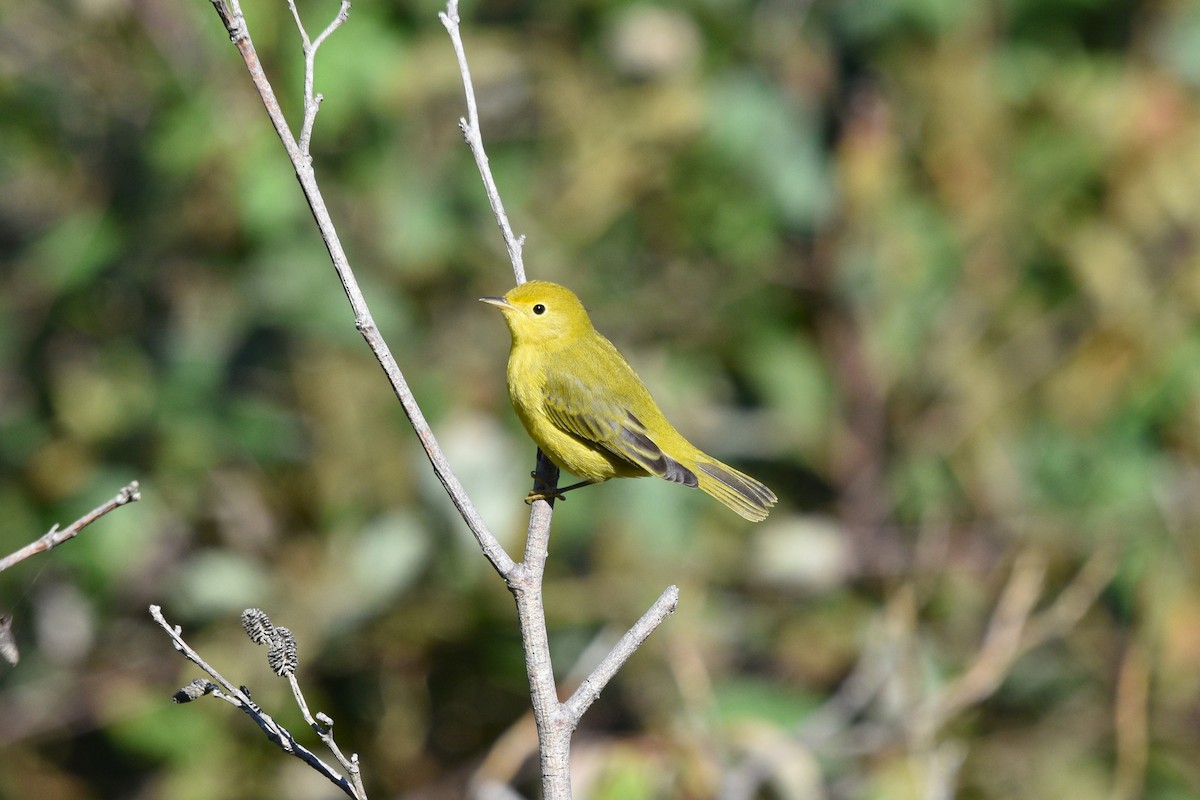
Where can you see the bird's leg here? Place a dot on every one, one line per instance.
(545, 481)
(543, 492)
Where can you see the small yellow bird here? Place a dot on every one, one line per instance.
(589, 412)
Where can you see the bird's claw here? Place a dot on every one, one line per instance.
(546, 494)
(541, 491)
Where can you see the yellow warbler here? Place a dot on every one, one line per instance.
(589, 412)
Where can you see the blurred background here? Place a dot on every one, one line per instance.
(928, 268)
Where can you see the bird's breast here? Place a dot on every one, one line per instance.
(527, 389)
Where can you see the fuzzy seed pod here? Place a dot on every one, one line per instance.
(282, 655)
(258, 626)
(194, 691)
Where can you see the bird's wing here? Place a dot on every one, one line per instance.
(575, 403)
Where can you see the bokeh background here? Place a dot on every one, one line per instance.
(929, 268)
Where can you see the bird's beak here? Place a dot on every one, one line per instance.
(499, 302)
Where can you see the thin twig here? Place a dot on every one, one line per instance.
(1001, 644)
(56, 536)
(591, 687)
(875, 665)
(323, 727)
(234, 20)
(312, 102)
(1014, 630)
(556, 721)
(830, 730)
(235, 25)
(554, 729)
(1073, 601)
(469, 125)
(238, 698)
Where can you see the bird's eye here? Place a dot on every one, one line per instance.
(539, 309)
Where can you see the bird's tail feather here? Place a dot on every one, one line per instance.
(738, 491)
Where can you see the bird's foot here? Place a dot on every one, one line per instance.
(544, 493)
(543, 490)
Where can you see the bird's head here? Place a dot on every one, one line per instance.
(540, 312)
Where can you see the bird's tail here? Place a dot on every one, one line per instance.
(737, 490)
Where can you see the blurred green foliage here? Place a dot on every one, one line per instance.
(929, 268)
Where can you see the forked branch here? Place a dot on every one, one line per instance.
(239, 697)
(556, 720)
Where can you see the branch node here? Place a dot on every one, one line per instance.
(130, 494)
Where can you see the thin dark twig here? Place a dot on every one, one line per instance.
(236, 697)
(56, 536)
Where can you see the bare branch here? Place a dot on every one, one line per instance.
(846, 724)
(525, 583)
(323, 726)
(591, 687)
(470, 128)
(555, 720)
(1001, 644)
(235, 24)
(274, 731)
(312, 102)
(1073, 601)
(1013, 631)
(231, 15)
(56, 536)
